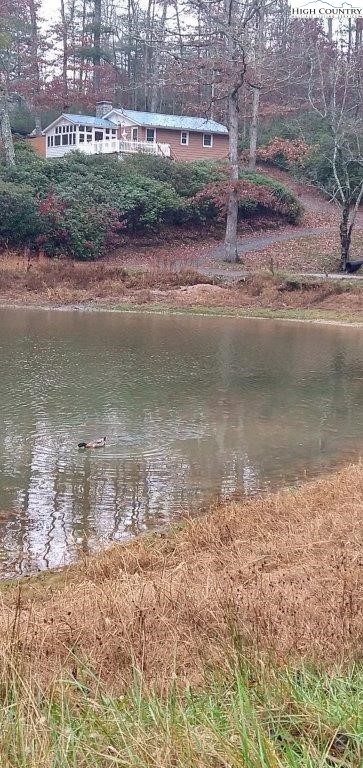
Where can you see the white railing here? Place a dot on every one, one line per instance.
(104, 147)
(145, 147)
(123, 146)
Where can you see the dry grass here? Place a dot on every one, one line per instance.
(67, 282)
(108, 283)
(282, 572)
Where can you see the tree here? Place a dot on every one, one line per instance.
(6, 134)
(256, 90)
(5, 43)
(335, 93)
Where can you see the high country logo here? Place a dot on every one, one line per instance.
(322, 9)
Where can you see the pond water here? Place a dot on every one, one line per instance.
(192, 407)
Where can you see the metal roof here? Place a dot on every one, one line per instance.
(96, 122)
(178, 122)
(148, 119)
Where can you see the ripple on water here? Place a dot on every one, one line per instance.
(191, 407)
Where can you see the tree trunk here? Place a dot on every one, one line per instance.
(97, 46)
(64, 56)
(256, 88)
(38, 123)
(5, 127)
(154, 90)
(345, 236)
(35, 67)
(230, 240)
(330, 29)
(254, 127)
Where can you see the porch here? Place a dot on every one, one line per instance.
(127, 146)
(111, 146)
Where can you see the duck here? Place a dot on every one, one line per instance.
(100, 443)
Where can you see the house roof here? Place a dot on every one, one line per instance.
(96, 122)
(147, 119)
(178, 122)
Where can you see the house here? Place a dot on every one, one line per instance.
(125, 130)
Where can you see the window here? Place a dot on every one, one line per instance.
(113, 133)
(50, 141)
(81, 128)
(73, 138)
(89, 137)
(184, 138)
(98, 135)
(64, 128)
(134, 134)
(150, 134)
(64, 139)
(89, 129)
(57, 140)
(207, 140)
(107, 136)
(81, 138)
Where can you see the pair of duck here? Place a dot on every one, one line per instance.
(100, 443)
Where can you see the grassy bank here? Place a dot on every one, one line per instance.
(281, 570)
(246, 715)
(232, 640)
(42, 282)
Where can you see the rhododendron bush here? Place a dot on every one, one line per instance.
(284, 152)
(82, 207)
(254, 197)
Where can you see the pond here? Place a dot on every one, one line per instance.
(192, 407)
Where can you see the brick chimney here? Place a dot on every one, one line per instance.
(102, 108)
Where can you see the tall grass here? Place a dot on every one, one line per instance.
(249, 715)
(190, 649)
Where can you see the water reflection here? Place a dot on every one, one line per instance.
(191, 407)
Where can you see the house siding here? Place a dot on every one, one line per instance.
(194, 150)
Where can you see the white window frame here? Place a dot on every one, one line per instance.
(186, 134)
(151, 141)
(208, 146)
(133, 129)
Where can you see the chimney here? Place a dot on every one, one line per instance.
(102, 108)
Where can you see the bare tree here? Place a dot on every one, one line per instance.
(335, 93)
(256, 89)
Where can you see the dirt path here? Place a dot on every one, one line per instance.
(256, 243)
(313, 244)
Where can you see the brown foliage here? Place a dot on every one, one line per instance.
(293, 150)
(282, 572)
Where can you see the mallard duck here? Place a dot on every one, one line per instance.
(100, 443)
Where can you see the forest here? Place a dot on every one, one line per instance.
(288, 89)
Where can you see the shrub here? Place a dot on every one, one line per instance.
(284, 152)
(20, 223)
(186, 178)
(254, 197)
(81, 205)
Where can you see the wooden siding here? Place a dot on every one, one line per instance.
(193, 151)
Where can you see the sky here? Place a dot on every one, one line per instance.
(50, 9)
